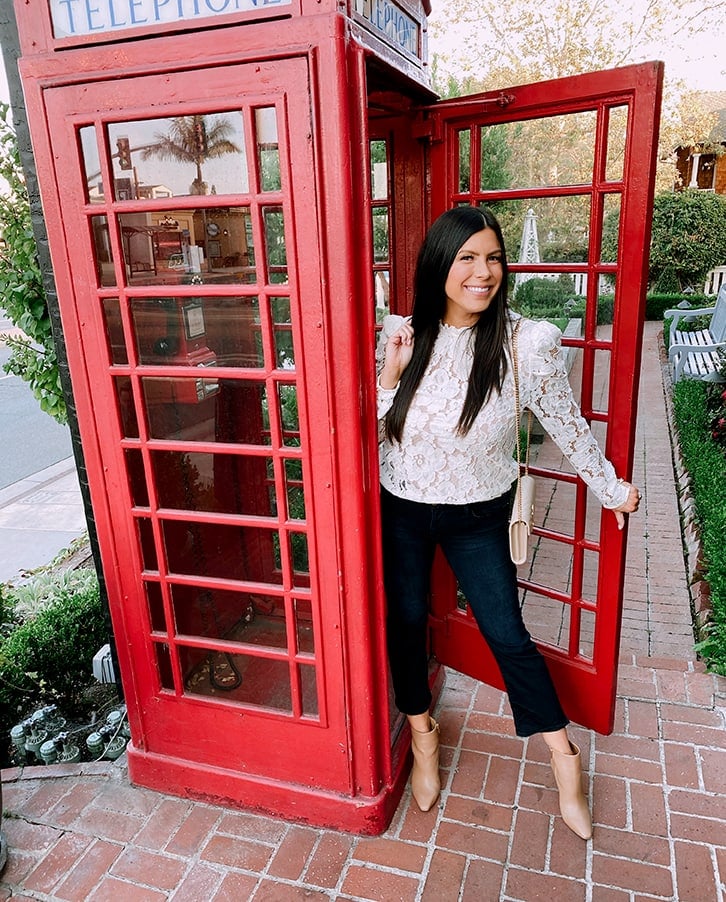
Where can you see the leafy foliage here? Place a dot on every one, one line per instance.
(706, 465)
(689, 239)
(33, 355)
(48, 658)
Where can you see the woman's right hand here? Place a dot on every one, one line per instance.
(399, 349)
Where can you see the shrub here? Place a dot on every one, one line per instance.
(48, 659)
(706, 465)
(656, 304)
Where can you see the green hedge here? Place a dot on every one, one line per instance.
(48, 659)
(706, 464)
(657, 304)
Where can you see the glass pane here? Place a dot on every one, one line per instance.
(587, 634)
(495, 153)
(561, 228)
(147, 544)
(309, 690)
(382, 282)
(114, 331)
(183, 247)
(126, 409)
(558, 150)
(248, 680)
(381, 248)
(275, 245)
(464, 159)
(300, 563)
(102, 251)
(287, 395)
(163, 663)
(200, 409)
(220, 483)
(547, 620)
(610, 228)
(229, 552)
(304, 626)
(233, 616)
(282, 330)
(617, 136)
(208, 331)
(601, 378)
(268, 148)
(179, 156)
(590, 564)
(295, 490)
(156, 607)
(137, 478)
(379, 170)
(91, 165)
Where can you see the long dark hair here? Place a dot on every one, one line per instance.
(438, 251)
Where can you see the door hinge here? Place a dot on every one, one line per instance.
(427, 128)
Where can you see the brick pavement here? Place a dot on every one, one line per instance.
(82, 832)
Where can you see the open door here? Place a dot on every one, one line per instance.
(568, 167)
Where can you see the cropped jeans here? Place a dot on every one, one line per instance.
(474, 539)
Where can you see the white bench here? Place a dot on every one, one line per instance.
(695, 355)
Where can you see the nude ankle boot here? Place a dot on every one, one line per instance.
(425, 780)
(573, 804)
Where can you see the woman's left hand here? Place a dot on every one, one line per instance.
(629, 506)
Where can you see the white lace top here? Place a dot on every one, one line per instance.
(433, 464)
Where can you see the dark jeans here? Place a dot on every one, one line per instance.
(474, 538)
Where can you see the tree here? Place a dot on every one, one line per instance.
(193, 139)
(33, 356)
(688, 240)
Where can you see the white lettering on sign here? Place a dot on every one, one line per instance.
(75, 17)
(388, 18)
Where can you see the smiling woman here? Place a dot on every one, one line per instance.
(474, 279)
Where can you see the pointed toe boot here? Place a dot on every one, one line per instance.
(425, 780)
(573, 804)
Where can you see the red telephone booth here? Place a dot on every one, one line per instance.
(234, 194)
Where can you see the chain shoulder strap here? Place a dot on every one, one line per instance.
(517, 406)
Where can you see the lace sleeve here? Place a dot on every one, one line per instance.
(547, 392)
(385, 396)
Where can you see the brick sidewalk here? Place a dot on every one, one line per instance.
(656, 784)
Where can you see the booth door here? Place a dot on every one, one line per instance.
(187, 204)
(568, 168)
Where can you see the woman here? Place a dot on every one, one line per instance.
(447, 418)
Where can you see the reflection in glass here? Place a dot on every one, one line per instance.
(91, 165)
(136, 477)
(275, 245)
(114, 331)
(244, 617)
(200, 409)
(381, 251)
(268, 148)
(289, 419)
(163, 664)
(179, 156)
(379, 170)
(147, 544)
(126, 409)
(183, 247)
(102, 251)
(464, 159)
(220, 483)
(304, 626)
(219, 550)
(245, 679)
(199, 331)
(309, 690)
(617, 136)
(282, 331)
(156, 606)
(295, 490)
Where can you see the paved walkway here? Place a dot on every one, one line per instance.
(82, 832)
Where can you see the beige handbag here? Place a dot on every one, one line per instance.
(520, 524)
